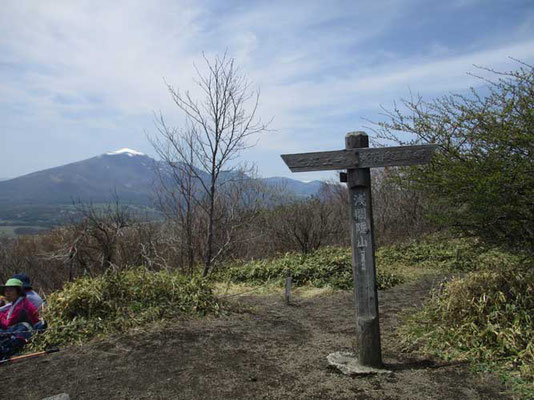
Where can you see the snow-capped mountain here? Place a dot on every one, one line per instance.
(127, 173)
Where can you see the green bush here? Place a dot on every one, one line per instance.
(480, 181)
(485, 316)
(435, 252)
(331, 266)
(328, 266)
(117, 301)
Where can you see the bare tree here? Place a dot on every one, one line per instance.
(98, 236)
(239, 206)
(305, 224)
(176, 190)
(398, 211)
(217, 128)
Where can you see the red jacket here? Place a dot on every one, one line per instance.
(22, 310)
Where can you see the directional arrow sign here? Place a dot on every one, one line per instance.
(360, 158)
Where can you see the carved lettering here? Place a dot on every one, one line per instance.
(361, 227)
(362, 259)
(320, 161)
(390, 156)
(359, 200)
(359, 214)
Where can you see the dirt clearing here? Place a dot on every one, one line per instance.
(273, 352)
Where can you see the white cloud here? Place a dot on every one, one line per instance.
(89, 69)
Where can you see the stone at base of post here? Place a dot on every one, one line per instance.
(368, 347)
(62, 396)
(349, 364)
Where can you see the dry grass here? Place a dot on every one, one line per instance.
(230, 289)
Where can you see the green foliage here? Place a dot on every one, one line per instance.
(436, 252)
(117, 301)
(481, 182)
(331, 266)
(328, 266)
(487, 317)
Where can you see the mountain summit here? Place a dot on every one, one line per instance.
(127, 151)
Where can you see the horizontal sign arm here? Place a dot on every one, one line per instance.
(320, 161)
(360, 158)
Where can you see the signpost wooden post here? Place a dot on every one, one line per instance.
(357, 158)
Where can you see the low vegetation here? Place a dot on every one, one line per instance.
(117, 301)
(328, 266)
(332, 266)
(432, 253)
(486, 317)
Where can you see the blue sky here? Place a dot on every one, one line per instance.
(80, 78)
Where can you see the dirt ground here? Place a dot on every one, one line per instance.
(272, 352)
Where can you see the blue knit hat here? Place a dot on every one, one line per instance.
(24, 279)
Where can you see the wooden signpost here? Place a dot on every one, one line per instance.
(357, 159)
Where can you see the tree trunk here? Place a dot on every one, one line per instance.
(209, 244)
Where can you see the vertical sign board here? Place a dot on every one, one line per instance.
(357, 158)
(363, 259)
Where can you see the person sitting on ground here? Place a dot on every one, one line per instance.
(17, 321)
(31, 294)
(21, 309)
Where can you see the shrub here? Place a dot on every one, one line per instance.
(117, 301)
(328, 266)
(434, 252)
(485, 316)
(480, 182)
(331, 266)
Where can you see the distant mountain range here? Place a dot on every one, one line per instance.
(128, 173)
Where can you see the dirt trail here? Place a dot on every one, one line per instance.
(274, 352)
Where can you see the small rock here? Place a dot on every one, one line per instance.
(348, 364)
(62, 396)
